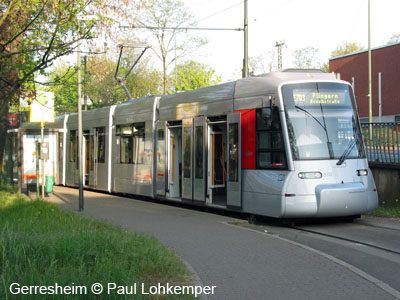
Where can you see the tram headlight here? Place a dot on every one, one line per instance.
(363, 172)
(310, 175)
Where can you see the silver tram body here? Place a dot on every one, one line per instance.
(234, 146)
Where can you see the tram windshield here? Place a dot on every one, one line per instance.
(322, 121)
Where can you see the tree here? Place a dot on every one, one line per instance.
(65, 88)
(394, 39)
(306, 58)
(192, 75)
(164, 15)
(346, 48)
(33, 34)
(263, 63)
(102, 88)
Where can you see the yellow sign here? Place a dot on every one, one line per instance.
(42, 108)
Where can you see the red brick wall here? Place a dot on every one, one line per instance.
(385, 60)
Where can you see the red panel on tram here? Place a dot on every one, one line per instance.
(248, 119)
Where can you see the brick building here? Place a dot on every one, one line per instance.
(354, 69)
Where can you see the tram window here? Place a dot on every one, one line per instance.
(269, 142)
(187, 151)
(199, 152)
(101, 144)
(271, 160)
(161, 146)
(138, 143)
(126, 150)
(268, 119)
(233, 153)
(61, 148)
(91, 152)
(126, 147)
(73, 146)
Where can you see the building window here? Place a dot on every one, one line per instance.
(270, 150)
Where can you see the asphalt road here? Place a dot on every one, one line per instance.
(370, 244)
(242, 263)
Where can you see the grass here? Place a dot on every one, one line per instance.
(41, 245)
(386, 212)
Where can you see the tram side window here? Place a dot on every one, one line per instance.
(138, 143)
(269, 141)
(132, 138)
(233, 152)
(187, 151)
(161, 146)
(126, 143)
(101, 144)
(199, 151)
(73, 146)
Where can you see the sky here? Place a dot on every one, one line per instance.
(322, 24)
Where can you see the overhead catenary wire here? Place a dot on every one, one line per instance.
(219, 12)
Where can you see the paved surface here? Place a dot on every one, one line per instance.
(351, 243)
(242, 264)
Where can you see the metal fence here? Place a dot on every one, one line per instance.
(382, 141)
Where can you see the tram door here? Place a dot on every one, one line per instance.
(93, 157)
(199, 167)
(234, 180)
(174, 162)
(187, 146)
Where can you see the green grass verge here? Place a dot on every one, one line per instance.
(41, 245)
(386, 212)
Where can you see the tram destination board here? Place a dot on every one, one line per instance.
(310, 98)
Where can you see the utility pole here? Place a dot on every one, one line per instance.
(245, 72)
(85, 82)
(80, 134)
(280, 44)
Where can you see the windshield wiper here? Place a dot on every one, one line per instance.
(346, 152)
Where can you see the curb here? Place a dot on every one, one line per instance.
(196, 278)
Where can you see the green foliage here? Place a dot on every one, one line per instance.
(37, 33)
(41, 245)
(346, 48)
(306, 58)
(325, 67)
(192, 75)
(65, 88)
(386, 212)
(102, 88)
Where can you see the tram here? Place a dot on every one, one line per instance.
(283, 145)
